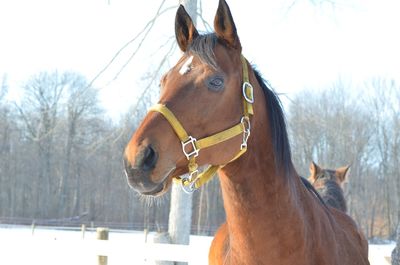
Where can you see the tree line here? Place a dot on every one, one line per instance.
(336, 127)
(61, 157)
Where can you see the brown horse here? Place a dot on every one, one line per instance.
(329, 184)
(213, 107)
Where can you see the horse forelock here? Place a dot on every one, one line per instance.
(203, 47)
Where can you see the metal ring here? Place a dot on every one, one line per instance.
(189, 188)
(250, 98)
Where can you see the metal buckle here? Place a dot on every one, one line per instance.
(246, 133)
(249, 98)
(190, 188)
(191, 141)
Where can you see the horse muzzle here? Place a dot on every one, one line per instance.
(138, 174)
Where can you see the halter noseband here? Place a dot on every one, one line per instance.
(191, 146)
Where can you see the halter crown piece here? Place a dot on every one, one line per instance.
(191, 146)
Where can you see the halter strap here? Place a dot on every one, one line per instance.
(247, 90)
(191, 146)
(196, 144)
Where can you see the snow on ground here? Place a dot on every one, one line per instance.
(48, 246)
(380, 254)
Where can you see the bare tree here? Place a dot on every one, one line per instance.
(5, 141)
(396, 169)
(81, 105)
(385, 100)
(332, 128)
(39, 111)
(335, 127)
(385, 116)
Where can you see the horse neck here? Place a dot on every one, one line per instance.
(260, 202)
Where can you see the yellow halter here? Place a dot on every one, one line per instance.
(191, 146)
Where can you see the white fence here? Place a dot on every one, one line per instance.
(63, 252)
(49, 246)
(86, 251)
(45, 247)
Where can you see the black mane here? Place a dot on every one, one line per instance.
(277, 122)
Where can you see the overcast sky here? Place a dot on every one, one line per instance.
(305, 46)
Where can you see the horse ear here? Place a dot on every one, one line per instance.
(342, 173)
(314, 170)
(224, 26)
(185, 31)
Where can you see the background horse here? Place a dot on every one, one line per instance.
(213, 108)
(329, 184)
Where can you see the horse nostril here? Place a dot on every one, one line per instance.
(149, 158)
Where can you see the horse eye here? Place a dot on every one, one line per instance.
(215, 83)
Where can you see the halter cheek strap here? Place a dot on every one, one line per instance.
(191, 146)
